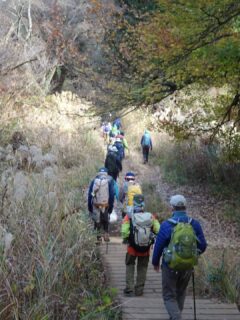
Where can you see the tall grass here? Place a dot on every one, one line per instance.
(218, 275)
(54, 269)
(193, 162)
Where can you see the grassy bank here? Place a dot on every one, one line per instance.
(53, 269)
(192, 164)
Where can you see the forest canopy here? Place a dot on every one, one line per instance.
(185, 49)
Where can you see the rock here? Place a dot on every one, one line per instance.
(49, 159)
(20, 186)
(49, 175)
(3, 154)
(23, 157)
(6, 239)
(9, 149)
(6, 175)
(52, 201)
(35, 151)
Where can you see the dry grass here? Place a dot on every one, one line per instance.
(54, 270)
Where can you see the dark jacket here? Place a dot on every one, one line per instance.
(112, 163)
(111, 195)
(120, 147)
(164, 236)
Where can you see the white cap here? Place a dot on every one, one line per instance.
(178, 201)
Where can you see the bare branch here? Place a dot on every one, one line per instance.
(18, 66)
(29, 21)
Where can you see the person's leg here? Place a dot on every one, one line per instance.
(182, 283)
(130, 266)
(142, 266)
(144, 155)
(147, 153)
(169, 282)
(96, 217)
(104, 218)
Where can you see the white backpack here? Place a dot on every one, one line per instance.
(142, 230)
(100, 191)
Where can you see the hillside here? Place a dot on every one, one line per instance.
(66, 67)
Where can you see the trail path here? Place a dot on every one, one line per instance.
(151, 306)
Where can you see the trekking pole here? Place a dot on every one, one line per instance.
(108, 233)
(194, 300)
(106, 247)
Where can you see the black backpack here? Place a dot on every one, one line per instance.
(120, 148)
(110, 162)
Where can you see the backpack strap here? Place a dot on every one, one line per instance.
(173, 221)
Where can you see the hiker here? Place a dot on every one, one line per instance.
(100, 202)
(114, 131)
(117, 123)
(112, 162)
(127, 192)
(177, 265)
(119, 145)
(106, 131)
(124, 142)
(138, 229)
(146, 143)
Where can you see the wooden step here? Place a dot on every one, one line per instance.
(150, 306)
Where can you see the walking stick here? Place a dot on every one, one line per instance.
(194, 300)
(106, 247)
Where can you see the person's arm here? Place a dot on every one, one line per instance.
(201, 243)
(125, 144)
(151, 144)
(106, 162)
(125, 228)
(111, 195)
(141, 141)
(90, 206)
(119, 164)
(156, 226)
(162, 241)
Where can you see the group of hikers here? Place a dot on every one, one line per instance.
(178, 242)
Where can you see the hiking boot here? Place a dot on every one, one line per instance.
(128, 293)
(99, 240)
(106, 237)
(138, 293)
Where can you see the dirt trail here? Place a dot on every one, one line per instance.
(199, 204)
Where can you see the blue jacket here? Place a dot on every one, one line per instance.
(120, 148)
(143, 138)
(117, 123)
(164, 236)
(111, 195)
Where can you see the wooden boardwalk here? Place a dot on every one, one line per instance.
(150, 306)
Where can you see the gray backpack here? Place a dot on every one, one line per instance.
(100, 191)
(141, 231)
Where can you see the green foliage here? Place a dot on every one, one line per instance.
(176, 45)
